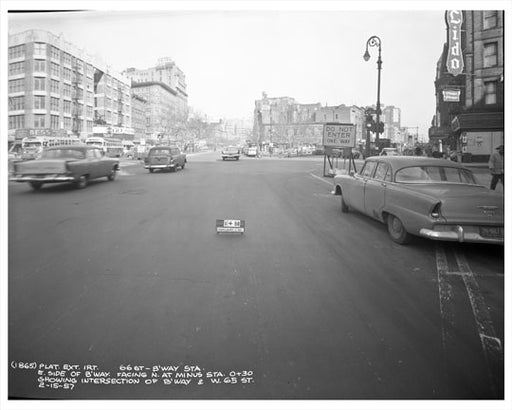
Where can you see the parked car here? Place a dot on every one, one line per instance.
(230, 153)
(432, 198)
(67, 163)
(389, 151)
(165, 158)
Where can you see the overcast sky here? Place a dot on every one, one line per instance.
(230, 57)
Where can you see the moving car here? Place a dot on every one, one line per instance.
(230, 153)
(66, 163)
(252, 151)
(432, 198)
(165, 158)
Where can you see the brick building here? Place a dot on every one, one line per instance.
(54, 85)
(470, 104)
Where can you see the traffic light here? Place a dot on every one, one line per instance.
(381, 127)
(369, 123)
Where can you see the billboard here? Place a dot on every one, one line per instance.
(339, 135)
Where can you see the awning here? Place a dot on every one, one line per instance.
(478, 121)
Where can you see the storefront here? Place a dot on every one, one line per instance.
(478, 134)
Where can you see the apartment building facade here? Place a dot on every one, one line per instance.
(470, 103)
(165, 90)
(53, 86)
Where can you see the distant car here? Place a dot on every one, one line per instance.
(230, 153)
(389, 151)
(67, 163)
(432, 198)
(165, 158)
(252, 151)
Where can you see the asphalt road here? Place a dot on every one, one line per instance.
(130, 277)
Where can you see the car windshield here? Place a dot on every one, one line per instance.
(160, 152)
(434, 174)
(63, 153)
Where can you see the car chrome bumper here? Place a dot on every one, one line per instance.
(47, 179)
(458, 235)
(159, 166)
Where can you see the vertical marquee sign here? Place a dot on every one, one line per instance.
(454, 59)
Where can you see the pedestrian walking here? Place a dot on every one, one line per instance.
(497, 168)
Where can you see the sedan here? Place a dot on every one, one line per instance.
(431, 198)
(230, 153)
(68, 163)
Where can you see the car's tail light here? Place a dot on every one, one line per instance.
(436, 211)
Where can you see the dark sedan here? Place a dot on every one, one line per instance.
(77, 164)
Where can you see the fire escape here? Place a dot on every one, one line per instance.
(119, 105)
(76, 95)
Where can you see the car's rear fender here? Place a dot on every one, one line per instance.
(415, 210)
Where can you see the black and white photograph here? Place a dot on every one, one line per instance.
(254, 203)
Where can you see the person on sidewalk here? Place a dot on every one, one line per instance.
(496, 166)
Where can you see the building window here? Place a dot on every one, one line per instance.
(16, 121)
(54, 86)
(491, 92)
(490, 55)
(17, 103)
(67, 107)
(55, 69)
(40, 49)
(39, 102)
(40, 66)
(67, 58)
(17, 68)
(490, 19)
(66, 74)
(55, 53)
(16, 86)
(54, 122)
(67, 123)
(17, 51)
(54, 104)
(66, 90)
(39, 84)
(39, 121)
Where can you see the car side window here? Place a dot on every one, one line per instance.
(382, 172)
(90, 154)
(368, 168)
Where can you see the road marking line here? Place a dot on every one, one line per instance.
(491, 344)
(321, 179)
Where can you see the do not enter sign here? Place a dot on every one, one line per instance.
(339, 135)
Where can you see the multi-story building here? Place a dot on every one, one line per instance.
(139, 117)
(391, 117)
(165, 91)
(55, 86)
(476, 120)
(284, 121)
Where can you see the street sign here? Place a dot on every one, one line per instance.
(230, 226)
(339, 135)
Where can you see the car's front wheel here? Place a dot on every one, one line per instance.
(36, 185)
(151, 170)
(82, 182)
(344, 206)
(397, 231)
(112, 174)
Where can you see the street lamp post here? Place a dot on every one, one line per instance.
(374, 41)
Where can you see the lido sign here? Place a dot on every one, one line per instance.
(454, 59)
